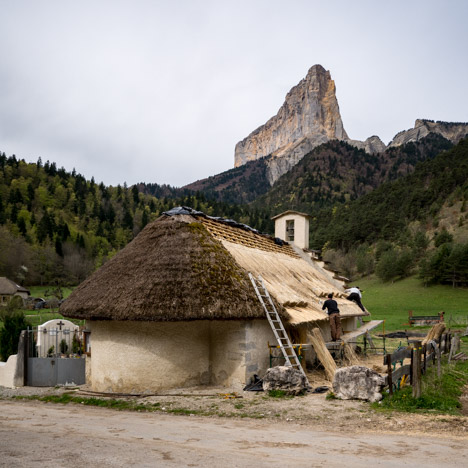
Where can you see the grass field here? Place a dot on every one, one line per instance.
(40, 316)
(40, 291)
(392, 301)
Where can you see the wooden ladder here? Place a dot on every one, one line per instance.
(290, 356)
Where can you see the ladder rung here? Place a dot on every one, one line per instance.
(290, 357)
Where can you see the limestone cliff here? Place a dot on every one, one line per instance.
(452, 131)
(372, 145)
(309, 117)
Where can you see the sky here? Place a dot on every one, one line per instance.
(161, 91)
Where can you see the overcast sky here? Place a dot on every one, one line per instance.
(161, 91)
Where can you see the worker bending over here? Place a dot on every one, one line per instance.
(355, 296)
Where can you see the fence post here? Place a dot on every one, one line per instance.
(438, 362)
(454, 346)
(416, 380)
(448, 339)
(389, 374)
(424, 351)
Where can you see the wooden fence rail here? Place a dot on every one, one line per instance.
(421, 358)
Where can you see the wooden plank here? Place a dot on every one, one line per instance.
(361, 330)
(400, 372)
(399, 355)
(426, 317)
(389, 380)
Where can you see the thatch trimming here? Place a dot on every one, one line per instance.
(174, 270)
(193, 267)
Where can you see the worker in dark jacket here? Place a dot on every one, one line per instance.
(334, 316)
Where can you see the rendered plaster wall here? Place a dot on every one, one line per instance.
(8, 371)
(149, 356)
(227, 353)
(239, 349)
(347, 324)
(12, 371)
(301, 229)
(258, 334)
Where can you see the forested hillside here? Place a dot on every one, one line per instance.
(240, 185)
(56, 226)
(397, 228)
(337, 172)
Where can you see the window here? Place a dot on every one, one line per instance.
(290, 230)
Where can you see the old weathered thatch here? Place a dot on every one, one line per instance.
(187, 266)
(174, 270)
(9, 288)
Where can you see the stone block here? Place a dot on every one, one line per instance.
(285, 378)
(358, 382)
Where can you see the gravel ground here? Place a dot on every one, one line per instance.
(310, 410)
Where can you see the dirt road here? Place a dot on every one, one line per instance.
(40, 434)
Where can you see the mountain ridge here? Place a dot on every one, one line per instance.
(310, 116)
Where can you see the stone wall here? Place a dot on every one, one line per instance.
(152, 356)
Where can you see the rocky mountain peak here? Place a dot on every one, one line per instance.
(309, 117)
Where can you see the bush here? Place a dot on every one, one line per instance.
(443, 237)
(13, 323)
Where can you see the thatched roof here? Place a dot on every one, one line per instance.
(187, 266)
(8, 287)
(173, 270)
(298, 283)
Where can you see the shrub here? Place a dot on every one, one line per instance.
(13, 323)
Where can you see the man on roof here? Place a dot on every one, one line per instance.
(355, 295)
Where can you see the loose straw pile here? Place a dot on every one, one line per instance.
(434, 333)
(323, 354)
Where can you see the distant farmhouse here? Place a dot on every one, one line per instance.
(9, 289)
(176, 308)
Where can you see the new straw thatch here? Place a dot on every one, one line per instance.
(188, 266)
(174, 270)
(434, 333)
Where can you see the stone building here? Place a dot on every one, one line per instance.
(293, 227)
(9, 289)
(176, 308)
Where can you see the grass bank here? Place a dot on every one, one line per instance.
(392, 301)
(438, 394)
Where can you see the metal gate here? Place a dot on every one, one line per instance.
(54, 356)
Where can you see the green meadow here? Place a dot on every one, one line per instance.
(39, 316)
(392, 301)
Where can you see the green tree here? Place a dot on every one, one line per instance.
(387, 268)
(13, 323)
(443, 237)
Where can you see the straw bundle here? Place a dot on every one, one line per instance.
(434, 333)
(323, 354)
(350, 355)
